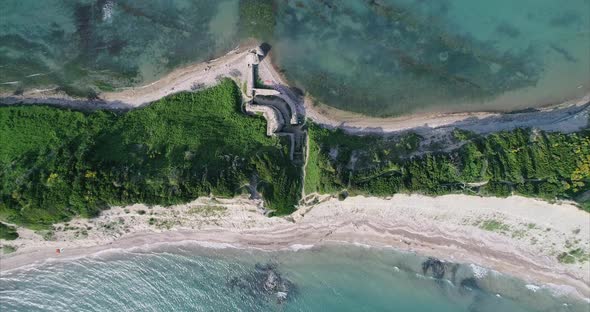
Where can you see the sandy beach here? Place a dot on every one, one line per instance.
(518, 236)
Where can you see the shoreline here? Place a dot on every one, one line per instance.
(567, 116)
(518, 236)
(447, 227)
(543, 116)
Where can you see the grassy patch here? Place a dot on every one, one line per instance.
(8, 232)
(573, 256)
(8, 249)
(161, 224)
(585, 206)
(463, 135)
(494, 226)
(312, 169)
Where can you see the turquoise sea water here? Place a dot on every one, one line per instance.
(394, 56)
(330, 278)
(382, 57)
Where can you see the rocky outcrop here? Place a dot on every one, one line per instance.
(265, 280)
(436, 266)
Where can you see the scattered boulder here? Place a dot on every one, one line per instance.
(436, 266)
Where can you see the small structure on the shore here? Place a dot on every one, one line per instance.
(275, 104)
(252, 91)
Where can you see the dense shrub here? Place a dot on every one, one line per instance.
(58, 163)
(8, 232)
(540, 164)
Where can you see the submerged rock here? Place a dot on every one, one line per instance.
(437, 267)
(470, 283)
(264, 280)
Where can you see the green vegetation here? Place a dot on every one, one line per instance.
(58, 163)
(523, 161)
(494, 226)
(257, 19)
(7, 249)
(8, 232)
(573, 256)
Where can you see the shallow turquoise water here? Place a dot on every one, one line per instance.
(394, 56)
(108, 43)
(331, 278)
(375, 57)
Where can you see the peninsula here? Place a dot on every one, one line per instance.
(226, 152)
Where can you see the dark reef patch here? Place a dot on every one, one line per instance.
(263, 282)
(436, 267)
(470, 283)
(508, 30)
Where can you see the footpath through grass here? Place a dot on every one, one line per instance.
(59, 163)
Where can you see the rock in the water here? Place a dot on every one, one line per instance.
(437, 267)
(470, 283)
(265, 279)
(272, 281)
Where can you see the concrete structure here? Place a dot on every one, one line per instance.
(266, 92)
(274, 119)
(251, 91)
(253, 60)
(276, 105)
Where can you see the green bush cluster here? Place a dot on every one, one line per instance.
(8, 232)
(58, 163)
(523, 161)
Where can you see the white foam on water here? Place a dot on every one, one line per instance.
(533, 288)
(297, 247)
(215, 245)
(478, 271)
(362, 245)
(107, 11)
(281, 295)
